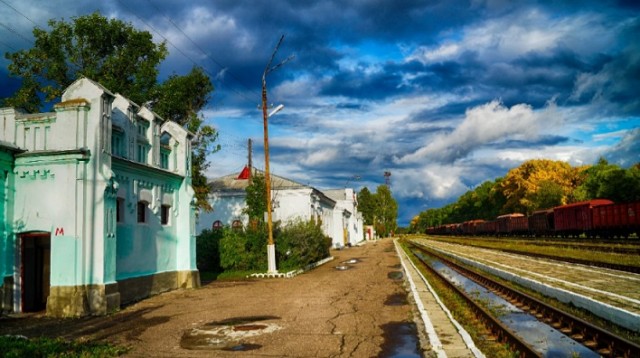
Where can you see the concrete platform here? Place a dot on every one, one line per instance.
(446, 336)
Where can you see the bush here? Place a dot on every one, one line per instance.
(244, 250)
(299, 244)
(208, 250)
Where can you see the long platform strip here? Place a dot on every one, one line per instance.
(437, 319)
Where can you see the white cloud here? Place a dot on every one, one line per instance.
(433, 181)
(512, 36)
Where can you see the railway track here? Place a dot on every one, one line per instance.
(625, 268)
(618, 267)
(595, 338)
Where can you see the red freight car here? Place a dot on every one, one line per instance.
(487, 228)
(512, 224)
(471, 227)
(575, 219)
(541, 223)
(616, 219)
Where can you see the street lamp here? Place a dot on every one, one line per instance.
(271, 246)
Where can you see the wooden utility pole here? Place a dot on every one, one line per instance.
(249, 161)
(271, 247)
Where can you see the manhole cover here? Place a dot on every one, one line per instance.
(249, 327)
(229, 335)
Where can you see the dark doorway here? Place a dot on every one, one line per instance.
(35, 270)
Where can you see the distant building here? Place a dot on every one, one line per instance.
(291, 201)
(97, 205)
(346, 212)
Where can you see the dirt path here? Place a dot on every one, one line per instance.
(323, 313)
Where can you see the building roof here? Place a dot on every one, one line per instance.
(336, 194)
(239, 182)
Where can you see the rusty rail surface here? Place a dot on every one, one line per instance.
(605, 343)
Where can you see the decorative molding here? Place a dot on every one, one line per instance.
(35, 174)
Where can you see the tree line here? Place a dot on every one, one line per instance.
(535, 185)
(379, 209)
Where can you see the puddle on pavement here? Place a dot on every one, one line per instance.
(351, 261)
(395, 275)
(396, 266)
(229, 334)
(542, 337)
(242, 348)
(343, 267)
(396, 299)
(400, 340)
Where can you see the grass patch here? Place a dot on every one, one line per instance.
(12, 346)
(558, 249)
(234, 275)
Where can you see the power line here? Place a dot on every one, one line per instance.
(8, 46)
(222, 67)
(16, 10)
(177, 48)
(11, 29)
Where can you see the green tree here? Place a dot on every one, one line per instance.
(366, 205)
(255, 198)
(124, 60)
(610, 181)
(548, 195)
(108, 51)
(386, 211)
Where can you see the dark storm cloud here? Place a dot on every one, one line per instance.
(627, 152)
(542, 141)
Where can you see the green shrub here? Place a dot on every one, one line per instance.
(233, 255)
(299, 244)
(208, 250)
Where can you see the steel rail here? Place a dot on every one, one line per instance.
(593, 337)
(502, 333)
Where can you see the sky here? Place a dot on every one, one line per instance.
(444, 95)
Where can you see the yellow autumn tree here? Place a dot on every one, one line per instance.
(539, 184)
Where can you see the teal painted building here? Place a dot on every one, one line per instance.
(97, 205)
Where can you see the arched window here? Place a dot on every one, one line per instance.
(236, 225)
(217, 225)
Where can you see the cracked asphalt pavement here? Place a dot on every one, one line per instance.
(326, 312)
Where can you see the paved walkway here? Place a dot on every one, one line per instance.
(323, 313)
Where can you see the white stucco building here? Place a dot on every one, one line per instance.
(291, 201)
(97, 205)
(346, 212)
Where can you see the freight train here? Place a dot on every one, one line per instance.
(594, 218)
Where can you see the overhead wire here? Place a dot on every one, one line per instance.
(222, 67)
(178, 49)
